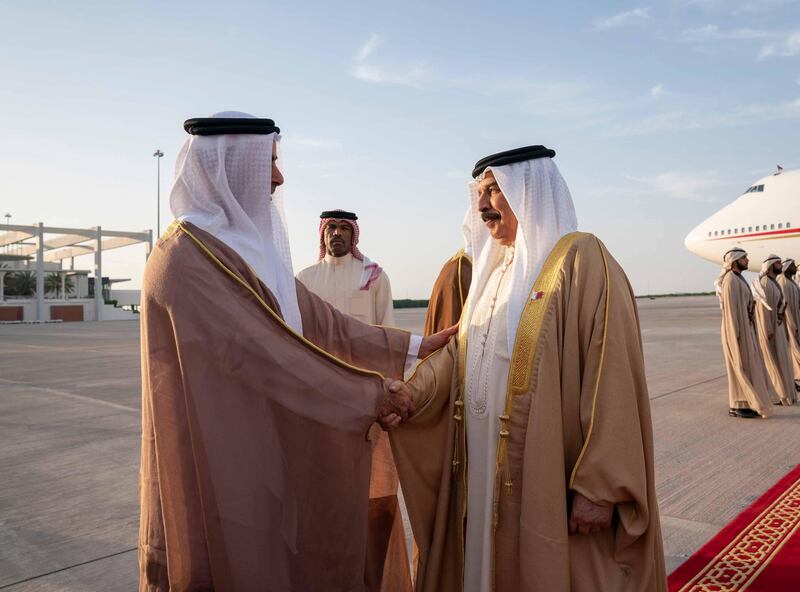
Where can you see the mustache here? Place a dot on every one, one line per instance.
(490, 215)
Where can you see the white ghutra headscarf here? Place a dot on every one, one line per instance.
(466, 231)
(758, 290)
(222, 185)
(728, 260)
(542, 203)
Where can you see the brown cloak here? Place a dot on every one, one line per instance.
(774, 341)
(577, 419)
(449, 293)
(255, 456)
(748, 384)
(791, 294)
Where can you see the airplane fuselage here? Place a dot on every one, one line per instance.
(764, 220)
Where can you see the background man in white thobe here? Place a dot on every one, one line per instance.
(344, 277)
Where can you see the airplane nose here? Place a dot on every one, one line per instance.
(693, 240)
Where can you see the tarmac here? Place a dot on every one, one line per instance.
(70, 435)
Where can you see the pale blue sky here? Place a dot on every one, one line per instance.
(660, 112)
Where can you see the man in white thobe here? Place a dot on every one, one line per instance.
(344, 277)
(356, 286)
(488, 362)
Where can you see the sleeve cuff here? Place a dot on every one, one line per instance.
(413, 351)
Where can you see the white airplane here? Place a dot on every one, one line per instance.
(764, 220)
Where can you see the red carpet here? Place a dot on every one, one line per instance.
(759, 551)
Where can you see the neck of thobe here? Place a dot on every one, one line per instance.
(336, 280)
(488, 361)
(345, 259)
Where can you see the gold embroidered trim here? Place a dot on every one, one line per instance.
(525, 342)
(532, 318)
(423, 360)
(738, 565)
(460, 289)
(599, 370)
(462, 350)
(170, 230)
(271, 312)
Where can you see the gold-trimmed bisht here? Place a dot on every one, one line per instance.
(524, 353)
(599, 370)
(459, 259)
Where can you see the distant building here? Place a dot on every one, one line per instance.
(35, 285)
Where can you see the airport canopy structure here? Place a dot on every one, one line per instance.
(42, 250)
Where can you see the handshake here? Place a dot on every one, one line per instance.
(397, 407)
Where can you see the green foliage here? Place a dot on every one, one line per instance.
(675, 294)
(20, 283)
(410, 303)
(52, 284)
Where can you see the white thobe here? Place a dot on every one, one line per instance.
(487, 366)
(337, 280)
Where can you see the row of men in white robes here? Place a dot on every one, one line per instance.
(760, 333)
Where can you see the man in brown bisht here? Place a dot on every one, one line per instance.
(528, 465)
(450, 288)
(257, 396)
(773, 338)
(791, 294)
(748, 384)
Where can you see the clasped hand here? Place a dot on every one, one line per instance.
(397, 407)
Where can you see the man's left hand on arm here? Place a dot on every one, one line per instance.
(436, 341)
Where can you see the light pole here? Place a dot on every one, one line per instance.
(5, 249)
(158, 154)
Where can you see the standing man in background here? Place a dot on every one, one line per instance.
(791, 294)
(354, 285)
(772, 337)
(450, 288)
(749, 386)
(344, 276)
